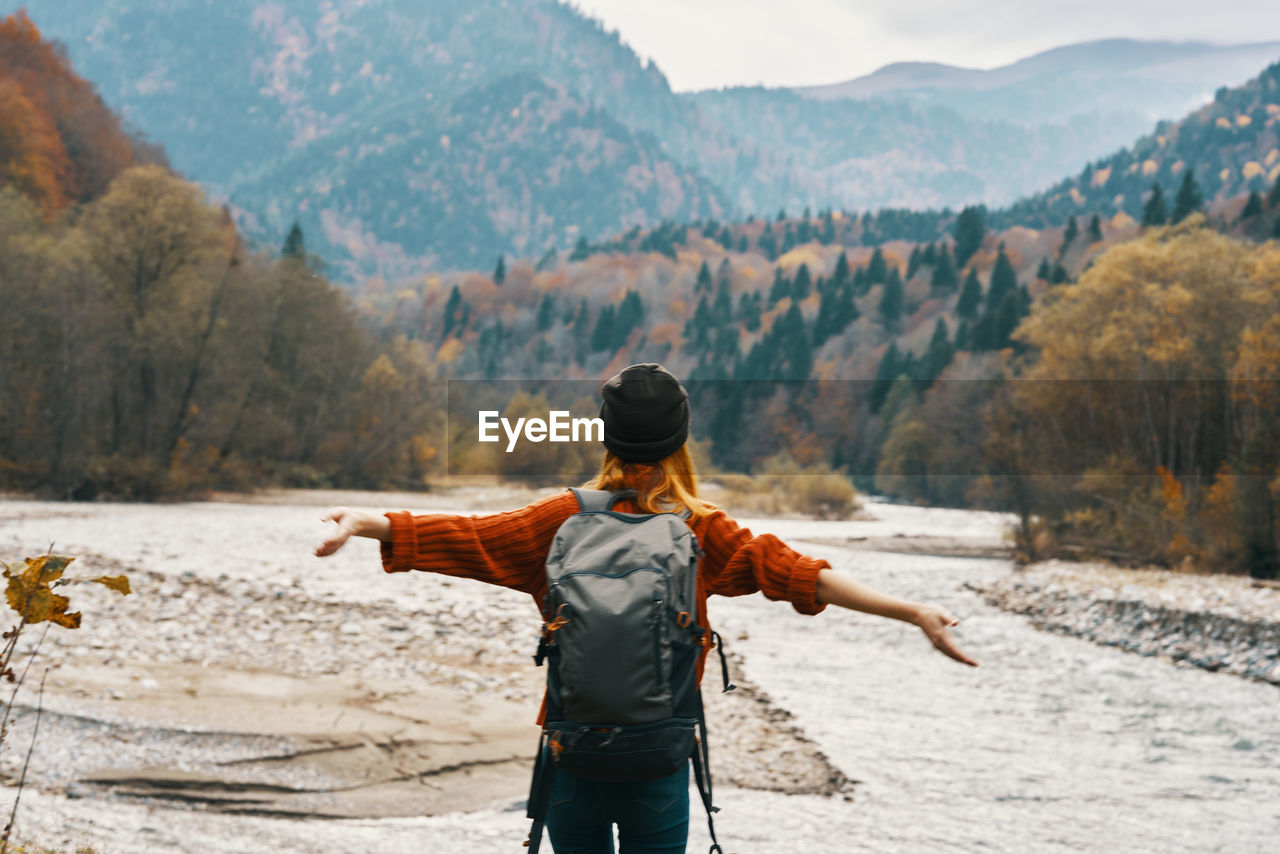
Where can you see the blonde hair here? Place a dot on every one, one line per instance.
(660, 485)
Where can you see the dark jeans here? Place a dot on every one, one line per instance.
(652, 817)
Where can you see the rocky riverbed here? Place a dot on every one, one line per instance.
(1216, 622)
(249, 697)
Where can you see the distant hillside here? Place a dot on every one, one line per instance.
(891, 153)
(1232, 147)
(517, 166)
(1141, 81)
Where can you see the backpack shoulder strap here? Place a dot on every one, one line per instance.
(599, 500)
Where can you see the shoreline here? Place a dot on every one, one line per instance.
(1220, 623)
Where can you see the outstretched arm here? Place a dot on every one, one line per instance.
(836, 589)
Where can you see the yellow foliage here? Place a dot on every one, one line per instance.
(1272, 156)
(1250, 169)
(1243, 120)
(1175, 503)
(1223, 122)
(1122, 220)
(450, 350)
(1101, 176)
(807, 254)
(1224, 175)
(1150, 167)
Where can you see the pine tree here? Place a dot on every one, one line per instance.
(913, 262)
(294, 244)
(781, 287)
(500, 271)
(802, 285)
(546, 313)
(726, 238)
(1189, 199)
(877, 269)
(944, 273)
(1003, 281)
(1095, 229)
(602, 338)
(970, 295)
(888, 370)
(970, 228)
(891, 301)
(1154, 212)
(828, 229)
(768, 243)
(1273, 198)
(581, 250)
(1059, 274)
(1069, 235)
(630, 314)
(749, 311)
(841, 274)
(450, 309)
(860, 283)
(938, 356)
(1253, 207)
(1275, 229)
(929, 255)
(1044, 271)
(723, 311)
(704, 279)
(797, 350)
(743, 245)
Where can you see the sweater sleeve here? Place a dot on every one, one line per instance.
(738, 563)
(508, 549)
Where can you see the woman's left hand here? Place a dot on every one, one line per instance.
(934, 621)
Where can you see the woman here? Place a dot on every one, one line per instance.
(646, 423)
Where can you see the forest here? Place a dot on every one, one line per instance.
(1111, 378)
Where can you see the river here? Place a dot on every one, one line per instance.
(1053, 744)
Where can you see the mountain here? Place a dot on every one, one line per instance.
(1144, 81)
(881, 153)
(352, 117)
(253, 97)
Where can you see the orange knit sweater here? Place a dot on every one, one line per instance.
(510, 549)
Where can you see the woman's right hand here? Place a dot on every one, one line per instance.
(351, 523)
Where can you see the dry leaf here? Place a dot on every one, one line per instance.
(28, 592)
(118, 583)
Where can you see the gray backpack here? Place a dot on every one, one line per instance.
(621, 640)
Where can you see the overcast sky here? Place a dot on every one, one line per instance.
(702, 44)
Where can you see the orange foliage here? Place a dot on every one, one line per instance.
(58, 142)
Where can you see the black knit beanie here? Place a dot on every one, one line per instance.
(645, 413)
